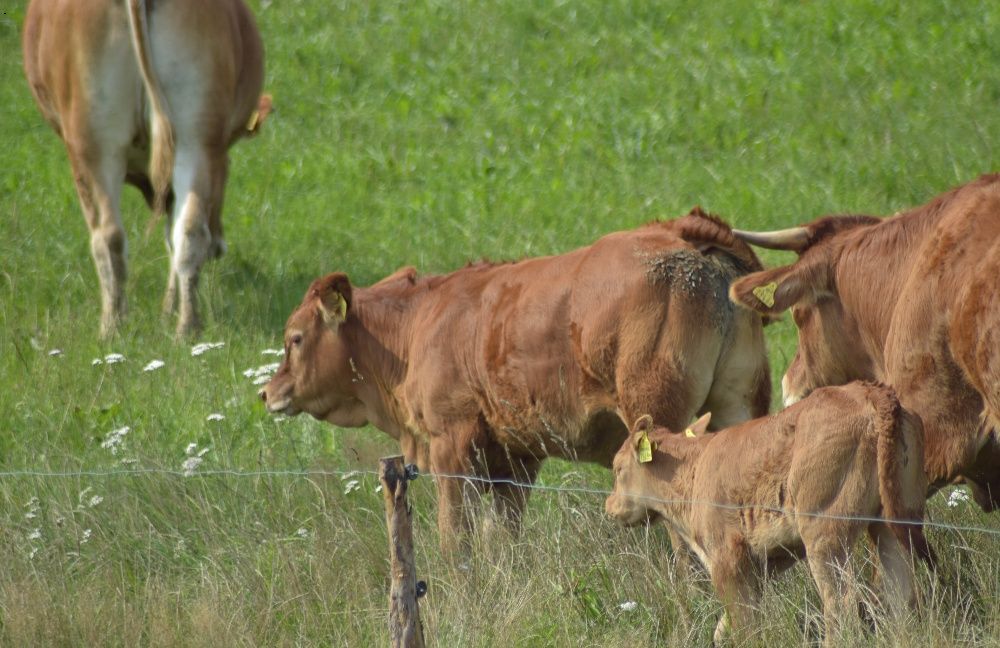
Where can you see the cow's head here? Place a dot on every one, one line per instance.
(641, 466)
(318, 374)
(830, 351)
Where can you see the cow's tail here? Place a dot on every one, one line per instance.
(161, 154)
(901, 479)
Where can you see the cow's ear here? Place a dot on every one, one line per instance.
(699, 427)
(333, 298)
(773, 291)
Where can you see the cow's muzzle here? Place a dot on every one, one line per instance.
(277, 406)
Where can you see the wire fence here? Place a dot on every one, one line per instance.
(138, 472)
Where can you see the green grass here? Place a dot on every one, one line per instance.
(430, 134)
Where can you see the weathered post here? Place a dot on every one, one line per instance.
(405, 630)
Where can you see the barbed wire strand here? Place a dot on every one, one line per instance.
(222, 472)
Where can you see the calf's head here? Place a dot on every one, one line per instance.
(318, 373)
(641, 468)
(829, 350)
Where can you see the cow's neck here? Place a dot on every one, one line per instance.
(379, 341)
(872, 267)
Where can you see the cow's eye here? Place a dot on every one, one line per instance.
(296, 339)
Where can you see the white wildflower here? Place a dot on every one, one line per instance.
(36, 534)
(55, 352)
(302, 532)
(153, 365)
(957, 497)
(262, 371)
(115, 440)
(86, 536)
(190, 449)
(94, 501)
(349, 474)
(628, 606)
(96, 361)
(114, 358)
(30, 515)
(215, 416)
(130, 461)
(260, 380)
(351, 486)
(190, 465)
(274, 352)
(31, 554)
(201, 453)
(378, 489)
(202, 347)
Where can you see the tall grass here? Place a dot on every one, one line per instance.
(429, 134)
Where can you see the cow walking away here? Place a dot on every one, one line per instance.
(751, 500)
(149, 94)
(490, 369)
(913, 301)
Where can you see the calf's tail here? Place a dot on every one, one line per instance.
(161, 154)
(901, 479)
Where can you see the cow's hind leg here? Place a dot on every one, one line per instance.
(98, 184)
(510, 493)
(191, 239)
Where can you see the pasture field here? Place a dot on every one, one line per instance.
(432, 133)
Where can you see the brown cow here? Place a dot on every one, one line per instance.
(913, 301)
(752, 499)
(201, 63)
(496, 366)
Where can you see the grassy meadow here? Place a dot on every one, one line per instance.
(429, 134)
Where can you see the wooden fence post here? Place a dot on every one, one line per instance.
(405, 630)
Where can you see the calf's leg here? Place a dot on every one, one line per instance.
(898, 580)
(738, 586)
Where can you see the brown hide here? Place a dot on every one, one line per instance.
(753, 498)
(911, 300)
(96, 68)
(491, 368)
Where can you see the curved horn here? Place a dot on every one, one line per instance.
(795, 239)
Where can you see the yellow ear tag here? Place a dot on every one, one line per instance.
(342, 306)
(690, 433)
(645, 448)
(253, 121)
(765, 293)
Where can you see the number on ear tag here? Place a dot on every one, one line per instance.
(690, 433)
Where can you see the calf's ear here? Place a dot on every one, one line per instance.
(773, 291)
(699, 427)
(333, 298)
(642, 445)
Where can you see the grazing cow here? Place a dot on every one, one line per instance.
(488, 370)
(750, 500)
(91, 65)
(913, 301)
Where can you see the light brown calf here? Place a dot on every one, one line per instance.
(152, 94)
(752, 499)
(488, 370)
(912, 300)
